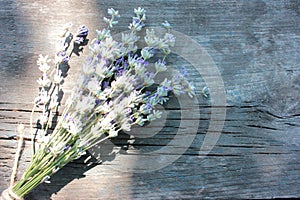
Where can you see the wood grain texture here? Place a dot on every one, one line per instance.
(254, 44)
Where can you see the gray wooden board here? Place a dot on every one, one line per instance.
(255, 46)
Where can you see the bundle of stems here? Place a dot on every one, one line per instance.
(115, 90)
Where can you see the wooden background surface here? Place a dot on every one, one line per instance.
(255, 45)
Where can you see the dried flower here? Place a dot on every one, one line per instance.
(42, 62)
(166, 25)
(160, 66)
(115, 90)
(114, 14)
(58, 78)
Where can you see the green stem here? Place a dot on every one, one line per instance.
(45, 167)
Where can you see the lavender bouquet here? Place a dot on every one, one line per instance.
(115, 90)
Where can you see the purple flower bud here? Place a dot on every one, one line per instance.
(104, 85)
(66, 59)
(128, 111)
(61, 53)
(131, 118)
(83, 31)
(140, 60)
(148, 106)
(120, 72)
(184, 71)
(160, 61)
(151, 75)
(135, 20)
(67, 148)
(89, 60)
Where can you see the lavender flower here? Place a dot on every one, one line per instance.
(81, 35)
(42, 62)
(114, 91)
(114, 14)
(167, 25)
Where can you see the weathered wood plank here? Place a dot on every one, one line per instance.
(254, 44)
